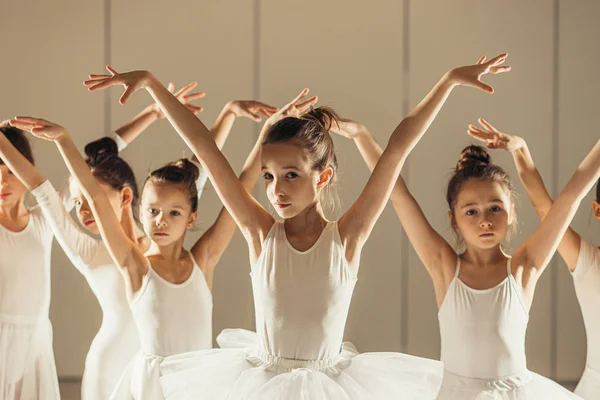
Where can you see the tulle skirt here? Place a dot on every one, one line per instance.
(27, 368)
(239, 370)
(589, 385)
(528, 386)
(139, 381)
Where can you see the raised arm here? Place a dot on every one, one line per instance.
(123, 251)
(532, 180)
(254, 221)
(357, 223)
(210, 247)
(19, 165)
(431, 247)
(538, 249)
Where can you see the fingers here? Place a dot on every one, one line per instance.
(186, 89)
(487, 125)
(266, 107)
(171, 87)
(194, 109)
(29, 120)
(499, 59)
(94, 85)
(303, 93)
(499, 70)
(485, 87)
(96, 79)
(194, 96)
(303, 106)
(99, 76)
(481, 59)
(111, 70)
(479, 134)
(128, 92)
(264, 113)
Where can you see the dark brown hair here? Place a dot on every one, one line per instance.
(19, 140)
(181, 172)
(106, 165)
(310, 131)
(476, 163)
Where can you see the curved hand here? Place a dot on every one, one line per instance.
(251, 109)
(294, 108)
(348, 128)
(40, 128)
(183, 96)
(471, 75)
(132, 81)
(493, 138)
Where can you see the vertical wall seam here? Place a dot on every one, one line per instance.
(404, 247)
(107, 60)
(256, 88)
(555, 183)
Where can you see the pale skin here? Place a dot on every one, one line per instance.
(292, 185)
(569, 246)
(165, 210)
(482, 215)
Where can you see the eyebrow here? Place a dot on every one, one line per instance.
(286, 167)
(474, 204)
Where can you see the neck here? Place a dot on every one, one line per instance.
(311, 219)
(14, 210)
(484, 257)
(170, 253)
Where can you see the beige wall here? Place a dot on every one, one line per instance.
(370, 61)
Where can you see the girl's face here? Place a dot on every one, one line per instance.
(12, 191)
(166, 212)
(483, 213)
(291, 183)
(118, 199)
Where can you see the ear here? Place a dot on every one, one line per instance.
(596, 208)
(126, 196)
(192, 220)
(451, 220)
(325, 177)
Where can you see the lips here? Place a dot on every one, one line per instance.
(486, 234)
(4, 195)
(283, 205)
(89, 222)
(161, 234)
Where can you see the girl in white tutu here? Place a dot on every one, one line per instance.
(304, 268)
(582, 258)
(27, 368)
(168, 288)
(483, 294)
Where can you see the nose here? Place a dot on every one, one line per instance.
(278, 189)
(485, 222)
(160, 220)
(84, 210)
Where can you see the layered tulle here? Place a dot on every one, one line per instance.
(27, 369)
(240, 370)
(526, 386)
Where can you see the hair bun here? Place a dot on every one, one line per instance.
(473, 156)
(324, 116)
(101, 149)
(188, 169)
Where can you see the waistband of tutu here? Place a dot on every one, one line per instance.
(263, 359)
(489, 387)
(23, 319)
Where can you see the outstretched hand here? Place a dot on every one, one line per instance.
(493, 138)
(184, 96)
(251, 109)
(470, 75)
(294, 108)
(132, 81)
(39, 127)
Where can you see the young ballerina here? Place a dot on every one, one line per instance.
(116, 343)
(483, 294)
(27, 368)
(304, 268)
(582, 258)
(166, 299)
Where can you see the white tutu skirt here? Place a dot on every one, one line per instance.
(589, 385)
(139, 381)
(240, 371)
(529, 386)
(27, 369)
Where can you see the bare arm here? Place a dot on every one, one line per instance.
(537, 251)
(431, 247)
(19, 165)
(532, 180)
(357, 223)
(210, 247)
(123, 251)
